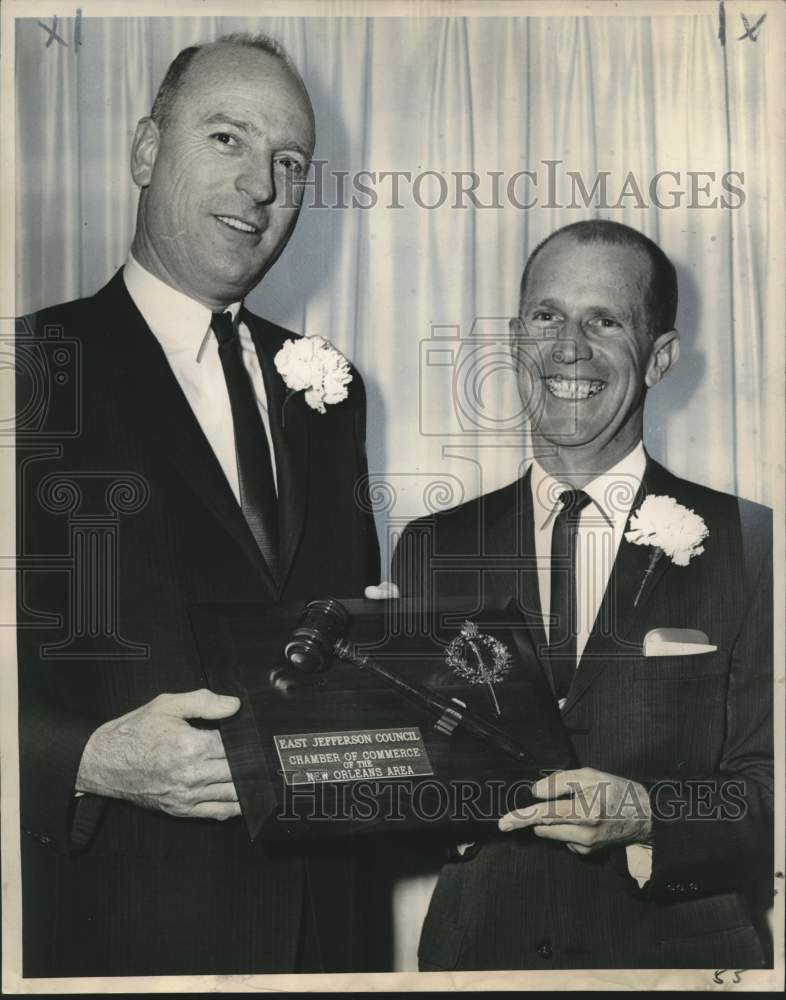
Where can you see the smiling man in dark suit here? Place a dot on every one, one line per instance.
(649, 601)
(135, 860)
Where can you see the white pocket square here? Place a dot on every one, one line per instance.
(676, 642)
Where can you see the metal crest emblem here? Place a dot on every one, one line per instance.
(479, 659)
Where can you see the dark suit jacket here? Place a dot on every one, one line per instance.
(696, 730)
(126, 520)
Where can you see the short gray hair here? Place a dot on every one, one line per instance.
(660, 296)
(174, 78)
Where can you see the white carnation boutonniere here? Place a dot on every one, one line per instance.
(671, 529)
(313, 364)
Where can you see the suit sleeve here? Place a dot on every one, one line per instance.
(715, 834)
(51, 736)
(51, 742)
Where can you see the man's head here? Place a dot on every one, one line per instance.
(595, 330)
(219, 159)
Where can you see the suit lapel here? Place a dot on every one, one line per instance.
(289, 431)
(618, 615)
(511, 535)
(163, 413)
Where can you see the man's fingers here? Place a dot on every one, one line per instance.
(567, 833)
(562, 783)
(221, 791)
(519, 819)
(382, 592)
(543, 813)
(556, 790)
(215, 810)
(210, 771)
(200, 704)
(212, 746)
(554, 821)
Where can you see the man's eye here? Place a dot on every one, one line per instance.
(290, 164)
(545, 316)
(605, 323)
(225, 138)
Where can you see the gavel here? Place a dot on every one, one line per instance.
(312, 645)
(320, 636)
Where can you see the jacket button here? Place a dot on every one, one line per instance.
(544, 950)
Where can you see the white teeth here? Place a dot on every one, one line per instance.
(243, 227)
(574, 388)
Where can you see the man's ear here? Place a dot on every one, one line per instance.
(664, 354)
(144, 151)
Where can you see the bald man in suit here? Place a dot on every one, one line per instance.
(135, 858)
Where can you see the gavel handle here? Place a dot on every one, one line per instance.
(436, 704)
(485, 731)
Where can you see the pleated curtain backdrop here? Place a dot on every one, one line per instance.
(401, 285)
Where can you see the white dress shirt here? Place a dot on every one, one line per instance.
(602, 524)
(182, 328)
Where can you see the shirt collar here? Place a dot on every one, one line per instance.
(179, 323)
(612, 492)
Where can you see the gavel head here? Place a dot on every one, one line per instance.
(311, 645)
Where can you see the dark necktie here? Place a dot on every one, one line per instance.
(564, 610)
(254, 468)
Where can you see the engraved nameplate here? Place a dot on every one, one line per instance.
(354, 755)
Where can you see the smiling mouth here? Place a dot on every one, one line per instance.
(573, 388)
(239, 225)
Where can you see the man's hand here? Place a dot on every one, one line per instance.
(155, 759)
(382, 592)
(586, 809)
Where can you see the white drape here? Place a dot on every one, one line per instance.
(399, 288)
(616, 94)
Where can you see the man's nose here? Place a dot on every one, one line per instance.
(571, 345)
(257, 181)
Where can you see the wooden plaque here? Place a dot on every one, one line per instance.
(340, 751)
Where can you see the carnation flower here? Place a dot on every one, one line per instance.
(313, 364)
(670, 528)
